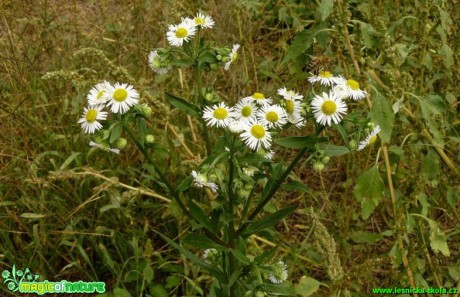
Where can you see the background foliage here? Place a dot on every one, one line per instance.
(388, 216)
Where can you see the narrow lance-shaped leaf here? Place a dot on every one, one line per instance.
(183, 105)
(268, 221)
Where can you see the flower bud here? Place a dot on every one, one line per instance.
(145, 109)
(149, 138)
(209, 96)
(318, 166)
(353, 144)
(325, 159)
(120, 143)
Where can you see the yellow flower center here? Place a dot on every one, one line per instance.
(258, 96)
(120, 95)
(220, 113)
(91, 115)
(353, 84)
(199, 21)
(325, 74)
(373, 139)
(271, 116)
(100, 94)
(258, 131)
(246, 111)
(289, 106)
(235, 55)
(181, 33)
(329, 107)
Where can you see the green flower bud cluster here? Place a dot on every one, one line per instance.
(319, 161)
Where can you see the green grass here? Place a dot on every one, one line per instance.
(68, 213)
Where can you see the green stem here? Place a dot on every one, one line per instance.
(231, 225)
(173, 192)
(201, 102)
(273, 190)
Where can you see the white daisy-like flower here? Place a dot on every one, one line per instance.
(211, 254)
(201, 180)
(328, 108)
(99, 94)
(122, 97)
(272, 116)
(256, 135)
(203, 21)
(104, 147)
(236, 127)
(177, 34)
(91, 116)
(218, 115)
(293, 112)
(259, 99)
(156, 64)
(279, 273)
(326, 79)
(245, 110)
(349, 89)
(289, 94)
(232, 57)
(370, 139)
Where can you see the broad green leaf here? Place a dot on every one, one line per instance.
(342, 132)
(119, 292)
(307, 286)
(199, 215)
(143, 130)
(216, 272)
(382, 114)
(448, 55)
(158, 291)
(115, 131)
(183, 105)
(325, 8)
(201, 241)
(302, 41)
(296, 141)
(430, 165)
(148, 273)
(333, 150)
(438, 240)
(369, 191)
(268, 221)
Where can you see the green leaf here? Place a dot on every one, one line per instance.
(365, 237)
(115, 131)
(369, 191)
(448, 55)
(183, 105)
(438, 240)
(265, 256)
(268, 221)
(158, 291)
(302, 41)
(240, 257)
(382, 114)
(342, 132)
(295, 185)
(430, 165)
(29, 215)
(333, 150)
(143, 130)
(199, 215)
(325, 8)
(307, 286)
(296, 141)
(216, 272)
(119, 292)
(69, 160)
(185, 184)
(278, 290)
(201, 241)
(148, 273)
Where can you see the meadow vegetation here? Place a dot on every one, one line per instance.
(386, 216)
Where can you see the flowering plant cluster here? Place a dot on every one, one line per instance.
(238, 176)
